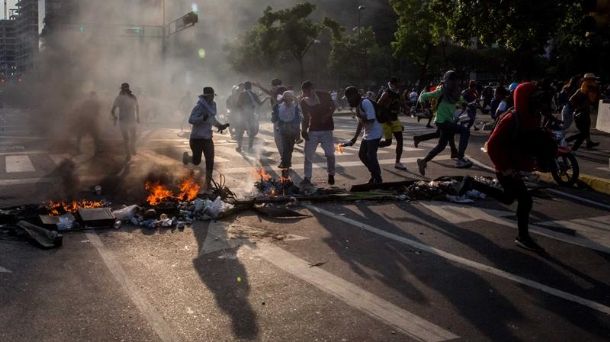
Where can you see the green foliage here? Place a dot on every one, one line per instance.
(279, 36)
(522, 30)
(356, 56)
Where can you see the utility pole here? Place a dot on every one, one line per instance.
(363, 61)
(5, 10)
(163, 33)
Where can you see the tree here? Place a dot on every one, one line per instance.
(355, 56)
(278, 37)
(419, 34)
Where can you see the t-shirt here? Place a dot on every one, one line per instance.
(372, 129)
(445, 110)
(127, 105)
(318, 115)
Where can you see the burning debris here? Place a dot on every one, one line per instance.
(267, 186)
(57, 208)
(188, 189)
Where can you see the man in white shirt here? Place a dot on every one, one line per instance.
(367, 122)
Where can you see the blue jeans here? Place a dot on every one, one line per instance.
(447, 130)
(368, 156)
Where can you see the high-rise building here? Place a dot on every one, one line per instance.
(8, 50)
(26, 31)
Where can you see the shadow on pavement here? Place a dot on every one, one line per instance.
(227, 279)
(491, 314)
(526, 264)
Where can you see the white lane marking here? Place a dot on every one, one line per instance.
(481, 165)
(234, 170)
(4, 270)
(578, 198)
(154, 318)
(19, 164)
(460, 214)
(217, 239)
(59, 158)
(17, 153)
(376, 307)
(466, 262)
(323, 164)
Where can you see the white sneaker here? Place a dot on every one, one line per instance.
(400, 166)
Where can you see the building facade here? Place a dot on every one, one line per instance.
(8, 50)
(26, 31)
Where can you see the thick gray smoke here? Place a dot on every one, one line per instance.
(95, 48)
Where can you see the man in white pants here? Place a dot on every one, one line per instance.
(317, 128)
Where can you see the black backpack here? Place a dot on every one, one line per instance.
(381, 114)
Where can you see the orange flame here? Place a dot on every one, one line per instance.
(188, 191)
(60, 207)
(340, 148)
(262, 174)
(157, 193)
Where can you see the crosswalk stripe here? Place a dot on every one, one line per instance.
(323, 164)
(407, 322)
(19, 164)
(59, 158)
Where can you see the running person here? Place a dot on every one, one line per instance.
(367, 122)
(449, 102)
(203, 118)
(390, 100)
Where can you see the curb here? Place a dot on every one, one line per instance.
(596, 184)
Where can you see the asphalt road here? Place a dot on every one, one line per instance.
(392, 271)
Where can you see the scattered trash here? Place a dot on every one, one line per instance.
(42, 237)
(126, 213)
(96, 217)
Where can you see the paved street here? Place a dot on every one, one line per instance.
(390, 271)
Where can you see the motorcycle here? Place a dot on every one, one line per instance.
(565, 170)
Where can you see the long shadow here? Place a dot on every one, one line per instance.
(227, 279)
(542, 265)
(490, 315)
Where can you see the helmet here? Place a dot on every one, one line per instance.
(513, 86)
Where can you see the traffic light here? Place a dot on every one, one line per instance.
(597, 15)
(190, 18)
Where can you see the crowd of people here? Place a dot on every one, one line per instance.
(516, 139)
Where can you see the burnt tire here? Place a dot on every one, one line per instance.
(567, 172)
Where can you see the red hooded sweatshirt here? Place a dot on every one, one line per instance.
(502, 146)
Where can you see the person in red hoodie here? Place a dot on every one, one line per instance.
(513, 146)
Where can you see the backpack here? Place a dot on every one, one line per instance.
(381, 114)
